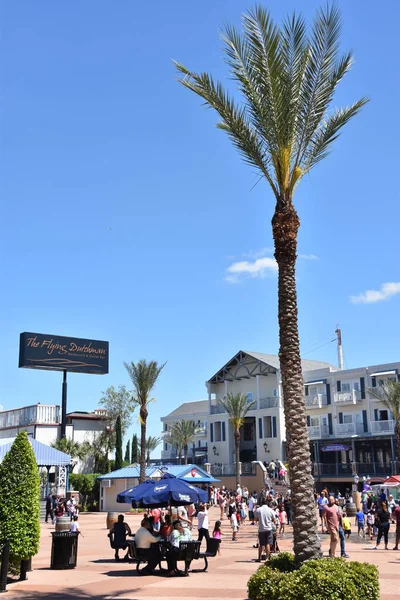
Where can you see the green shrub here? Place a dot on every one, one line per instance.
(335, 579)
(88, 487)
(20, 499)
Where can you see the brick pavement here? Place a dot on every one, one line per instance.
(99, 577)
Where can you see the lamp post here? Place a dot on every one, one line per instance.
(356, 479)
(266, 448)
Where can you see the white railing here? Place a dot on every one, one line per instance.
(169, 453)
(314, 432)
(349, 428)
(351, 397)
(217, 409)
(40, 414)
(268, 402)
(316, 401)
(382, 426)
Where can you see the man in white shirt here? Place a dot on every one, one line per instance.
(147, 545)
(266, 522)
(202, 523)
(252, 505)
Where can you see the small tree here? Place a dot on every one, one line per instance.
(183, 434)
(134, 450)
(118, 444)
(151, 445)
(237, 407)
(118, 403)
(127, 458)
(20, 500)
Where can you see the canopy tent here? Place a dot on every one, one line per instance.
(168, 491)
(46, 456)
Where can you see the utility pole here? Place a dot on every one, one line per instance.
(339, 348)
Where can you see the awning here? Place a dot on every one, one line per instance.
(46, 456)
(335, 448)
(384, 373)
(315, 382)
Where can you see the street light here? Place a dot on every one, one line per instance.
(215, 451)
(266, 448)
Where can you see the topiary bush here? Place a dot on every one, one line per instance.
(20, 500)
(335, 579)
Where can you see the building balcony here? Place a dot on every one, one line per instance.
(316, 432)
(217, 409)
(39, 414)
(316, 401)
(268, 402)
(169, 453)
(351, 397)
(381, 427)
(348, 470)
(346, 429)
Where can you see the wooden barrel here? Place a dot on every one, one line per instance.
(351, 509)
(112, 517)
(63, 523)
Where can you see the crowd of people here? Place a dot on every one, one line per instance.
(270, 511)
(57, 506)
(372, 519)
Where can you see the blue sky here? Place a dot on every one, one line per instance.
(124, 208)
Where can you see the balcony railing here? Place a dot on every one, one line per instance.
(169, 453)
(349, 469)
(316, 401)
(314, 432)
(349, 429)
(269, 402)
(217, 409)
(382, 426)
(40, 414)
(351, 397)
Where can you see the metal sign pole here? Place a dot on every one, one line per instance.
(64, 405)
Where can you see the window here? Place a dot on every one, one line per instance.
(348, 386)
(165, 427)
(267, 427)
(248, 435)
(217, 431)
(249, 397)
(314, 421)
(165, 447)
(347, 418)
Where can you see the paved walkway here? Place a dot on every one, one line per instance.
(99, 577)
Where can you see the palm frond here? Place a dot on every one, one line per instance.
(237, 407)
(234, 119)
(328, 132)
(389, 395)
(144, 375)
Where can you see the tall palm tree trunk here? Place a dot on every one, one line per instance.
(143, 419)
(237, 453)
(185, 453)
(285, 224)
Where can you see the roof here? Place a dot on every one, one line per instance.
(257, 363)
(189, 408)
(130, 472)
(273, 361)
(45, 455)
(80, 414)
(184, 472)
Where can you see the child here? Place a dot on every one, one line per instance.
(74, 526)
(217, 534)
(243, 514)
(234, 524)
(282, 519)
(346, 525)
(360, 518)
(370, 524)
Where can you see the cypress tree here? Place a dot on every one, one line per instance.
(134, 450)
(118, 444)
(20, 500)
(128, 452)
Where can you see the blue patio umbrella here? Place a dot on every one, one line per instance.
(168, 491)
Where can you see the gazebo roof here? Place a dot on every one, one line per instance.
(45, 455)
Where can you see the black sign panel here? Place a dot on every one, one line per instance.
(58, 353)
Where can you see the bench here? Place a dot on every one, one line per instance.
(188, 551)
(211, 552)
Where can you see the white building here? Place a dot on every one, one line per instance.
(189, 411)
(351, 432)
(43, 422)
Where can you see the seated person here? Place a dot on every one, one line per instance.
(166, 527)
(120, 531)
(178, 534)
(147, 546)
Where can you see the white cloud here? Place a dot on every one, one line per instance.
(371, 296)
(257, 268)
(308, 257)
(254, 254)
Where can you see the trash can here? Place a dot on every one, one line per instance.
(64, 550)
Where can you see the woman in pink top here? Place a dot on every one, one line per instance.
(282, 519)
(217, 534)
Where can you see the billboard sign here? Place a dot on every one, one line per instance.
(59, 353)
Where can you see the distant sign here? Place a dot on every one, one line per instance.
(335, 448)
(58, 353)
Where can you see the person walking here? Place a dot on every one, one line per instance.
(383, 523)
(396, 514)
(322, 501)
(331, 515)
(360, 521)
(202, 523)
(266, 521)
(49, 508)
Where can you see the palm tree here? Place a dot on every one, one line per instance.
(287, 79)
(389, 395)
(237, 407)
(173, 438)
(68, 446)
(184, 433)
(151, 445)
(143, 376)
